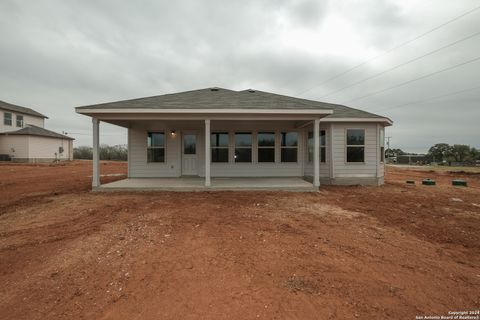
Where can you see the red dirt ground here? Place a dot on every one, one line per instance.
(390, 252)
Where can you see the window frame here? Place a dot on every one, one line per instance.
(164, 147)
(289, 147)
(5, 119)
(187, 133)
(355, 146)
(235, 147)
(323, 147)
(17, 116)
(381, 134)
(221, 147)
(274, 147)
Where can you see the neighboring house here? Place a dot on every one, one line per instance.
(23, 137)
(250, 134)
(412, 159)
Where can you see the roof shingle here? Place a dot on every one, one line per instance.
(31, 130)
(11, 107)
(219, 98)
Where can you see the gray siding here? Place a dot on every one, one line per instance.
(343, 169)
(334, 168)
(138, 166)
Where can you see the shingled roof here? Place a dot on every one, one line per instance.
(11, 107)
(31, 130)
(219, 98)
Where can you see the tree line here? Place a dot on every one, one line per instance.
(117, 152)
(444, 153)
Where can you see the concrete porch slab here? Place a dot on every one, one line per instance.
(218, 184)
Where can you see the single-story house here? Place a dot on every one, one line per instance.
(23, 137)
(217, 138)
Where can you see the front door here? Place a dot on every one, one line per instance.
(189, 154)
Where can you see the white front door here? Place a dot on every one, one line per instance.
(189, 153)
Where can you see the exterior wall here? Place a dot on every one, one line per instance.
(24, 148)
(369, 172)
(334, 171)
(15, 146)
(138, 166)
(47, 148)
(27, 119)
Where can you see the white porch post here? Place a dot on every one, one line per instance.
(316, 153)
(207, 153)
(96, 155)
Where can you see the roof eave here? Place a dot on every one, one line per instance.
(385, 120)
(90, 111)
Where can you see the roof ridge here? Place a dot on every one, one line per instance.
(154, 96)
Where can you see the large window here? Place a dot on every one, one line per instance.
(323, 146)
(7, 119)
(219, 145)
(289, 146)
(266, 146)
(355, 145)
(19, 121)
(243, 147)
(156, 147)
(382, 144)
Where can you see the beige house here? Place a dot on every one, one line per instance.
(223, 139)
(23, 137)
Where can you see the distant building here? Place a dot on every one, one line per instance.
(23, 137)
(412, 159)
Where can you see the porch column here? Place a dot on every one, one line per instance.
(207, 153)
(96, 157)
(316, 153)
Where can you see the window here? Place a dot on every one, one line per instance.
(189, 144)
(7, 119)
(382, 144)
(219, 145)
(355, 145)
(243, 147)
(266, 146)
(323, 146)
(19, 121)
(289, 146)
(156, 147)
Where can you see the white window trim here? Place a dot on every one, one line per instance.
(274, 147)
(16, 121)
(289, 147)
(243, 147)
(164, 147)
(228, 147)
(381, 144)
(5, 118)
(356, 145)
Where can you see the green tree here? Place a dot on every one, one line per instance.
(439, 152)
(460, 152)
(394, 152)
(474, 154)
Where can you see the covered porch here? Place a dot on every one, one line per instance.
(232, 150)
(198, 184)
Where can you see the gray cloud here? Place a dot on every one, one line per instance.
(55, 55)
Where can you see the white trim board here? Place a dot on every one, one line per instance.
(209, 111)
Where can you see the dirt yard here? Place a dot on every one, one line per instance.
(391, 252)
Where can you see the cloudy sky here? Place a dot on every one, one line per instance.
(55, 55)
